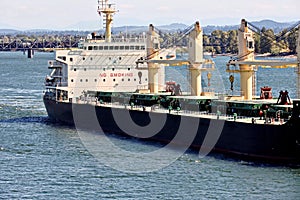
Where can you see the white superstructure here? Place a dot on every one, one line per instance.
(122, 64)
(104, 63)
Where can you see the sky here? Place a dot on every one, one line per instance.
(61, 14)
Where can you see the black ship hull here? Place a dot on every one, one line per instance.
(260, 142)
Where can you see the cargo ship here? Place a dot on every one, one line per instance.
(116, 84)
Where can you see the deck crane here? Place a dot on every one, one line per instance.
(247, 64)
(195, 62)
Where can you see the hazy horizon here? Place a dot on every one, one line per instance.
(61, 14)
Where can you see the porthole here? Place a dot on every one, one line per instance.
(104, 80)
(72, 80)
(114, 80)
(75, 69)
(129, 79)
(86, 80)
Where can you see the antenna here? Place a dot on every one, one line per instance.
(108, 10)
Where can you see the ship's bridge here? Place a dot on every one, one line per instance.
(119, 43)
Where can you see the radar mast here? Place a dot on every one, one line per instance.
(108, 10)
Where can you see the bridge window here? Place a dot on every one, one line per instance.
(90, 48)
(62, 58)
(96, 47)
(143, 47)
(71, 59)
(131, 47)
(137, 47)
(116, 47)
(126, 47)
(111, 47)
(100, 47)
(250, 45)
(105, 47)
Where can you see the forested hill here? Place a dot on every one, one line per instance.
(217, 39)
(269, 24)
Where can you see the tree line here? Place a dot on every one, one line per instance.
(218, 42)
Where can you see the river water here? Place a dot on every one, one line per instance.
(41, 160)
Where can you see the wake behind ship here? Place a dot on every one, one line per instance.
(117, 84)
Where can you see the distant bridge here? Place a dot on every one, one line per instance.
(16, 44)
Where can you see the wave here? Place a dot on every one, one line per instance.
(37, 119)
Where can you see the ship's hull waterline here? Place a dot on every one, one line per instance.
(259, 142)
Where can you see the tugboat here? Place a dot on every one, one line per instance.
(110, 78)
